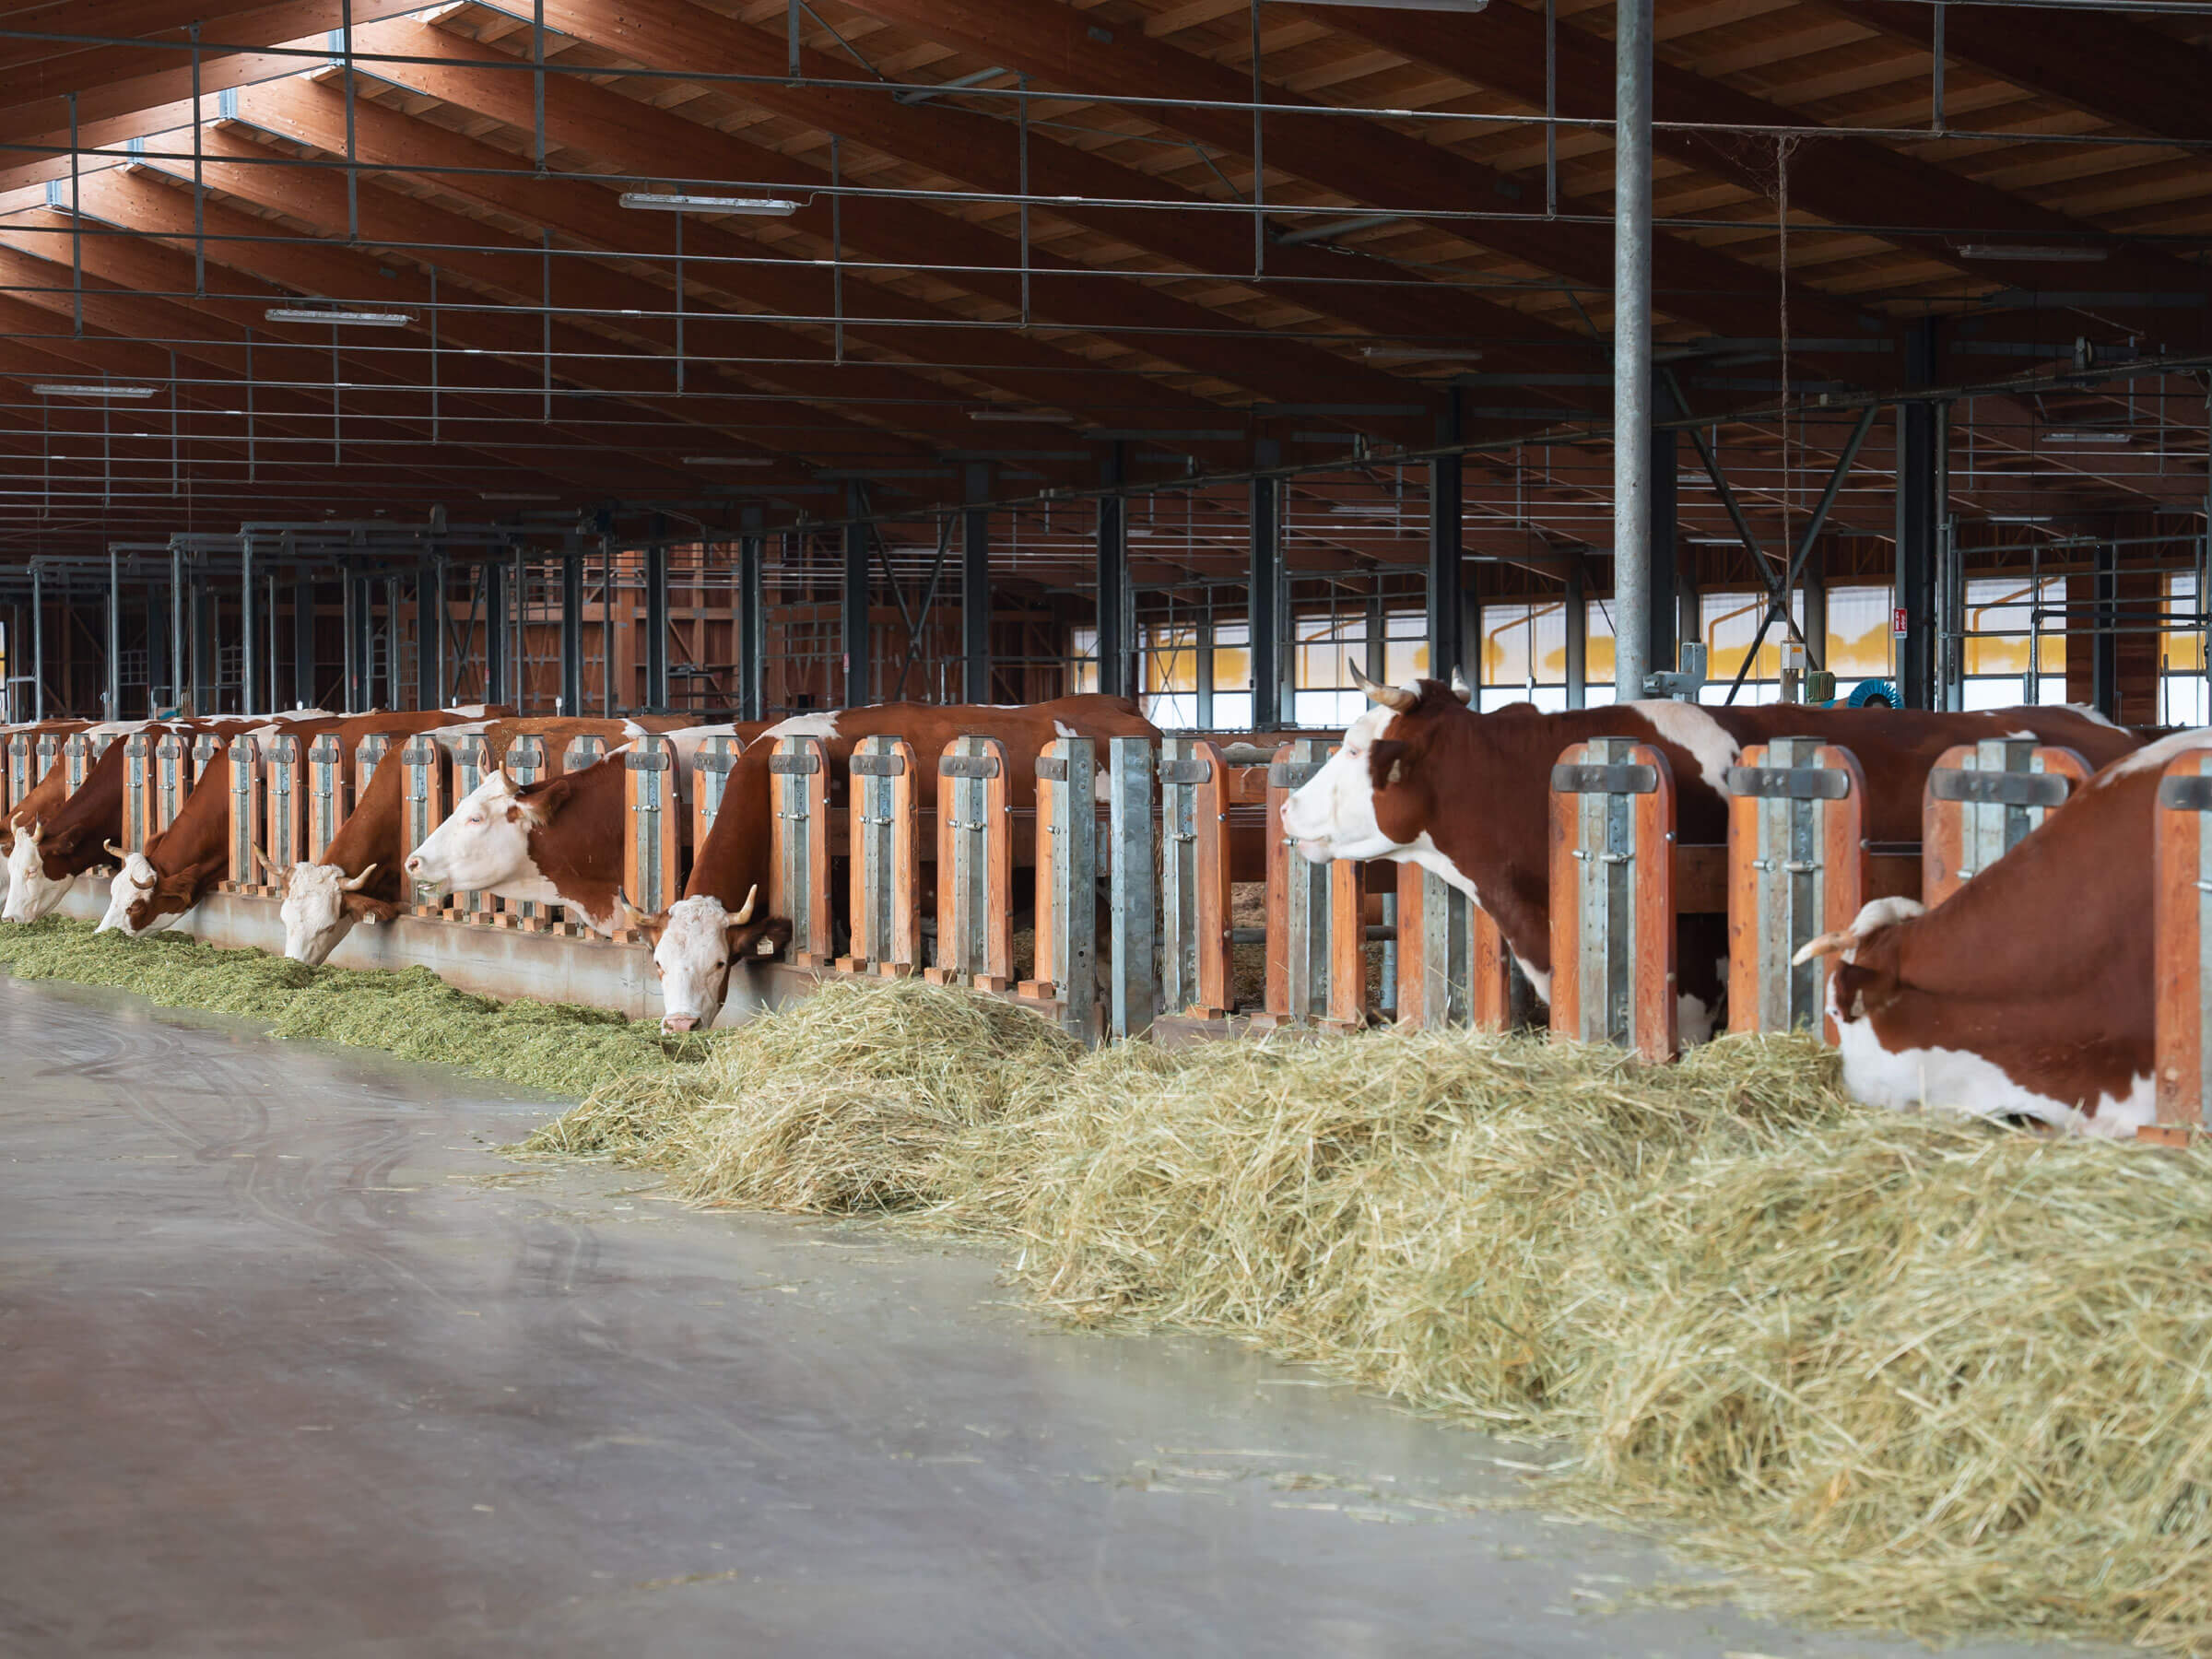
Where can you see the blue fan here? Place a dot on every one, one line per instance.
(1875, 694)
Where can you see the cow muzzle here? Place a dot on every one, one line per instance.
(680, 1025)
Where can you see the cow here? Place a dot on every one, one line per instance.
(698, 939)
(55, 843)
(152, 889)
(1421, 778)
(1956, 1008)
(49, 790)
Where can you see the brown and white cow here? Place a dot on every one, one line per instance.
(1423, 778)
(56, 844)
(2029, 993)
(705, 931)
(152, 889)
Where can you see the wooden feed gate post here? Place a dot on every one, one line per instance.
(472, 764)
(208, 751)
(975, 867)
(242, 773)
(1067, 885)
(138, 790)
(710, 770)
(798, 870)
(284, 810)
(170, 781)
(425, 797)
(585, 749)
(1982, 800)
(46, 752)
(77, 750)
(1316, 927)
(2181, 935)
(1797, 868)
(1197, 973)
(1612, 896)
(1453, 967)
(22, 755)
(525, 763)
(326, 801)
(884, 883)
(653, 846)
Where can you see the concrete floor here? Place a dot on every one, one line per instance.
(295, 1364)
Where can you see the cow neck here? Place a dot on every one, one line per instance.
(95, 810)
(580, 852)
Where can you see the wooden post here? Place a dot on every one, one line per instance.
(711, 770)
(471, 762)
(1983, 800)
(284, 810)
(79, 754)
(48, 752)
(172, 780)
(207, 750)
(1132, 811)
(426, 796)
(976, 866)
(22, 753)
(798, 878)
(525, 762)
(137, 790)
(1068, 889)
(884, 887)
(1195, 976)
(244, 771)
(327, 804)
(1612, 897)
(1316, 929)
(2182, 859)
(1797, 868)
(585, 749)
(653, 848)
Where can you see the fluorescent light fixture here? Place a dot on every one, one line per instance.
(1420, 354)
(1052, 417)
(729, 460)
(2031, 253)
(2021, 518)
(92, 389)
(1362, 510)
(1429, 6)
(361, 318)
(2087, 435)
(759, 207)
(1714, 541)
(513, 495)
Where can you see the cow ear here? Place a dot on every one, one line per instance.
(1860, 992)
(1387, 759)
(362, 907)
(545, 799)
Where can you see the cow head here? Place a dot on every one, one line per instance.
(1372, 798)
(172, 893)
(485, 843)
(693, 944)
(134, 877)
(1867, 980)
(321, 905)
(31, 892)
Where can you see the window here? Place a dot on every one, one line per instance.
(1083, 661)
(1728, 623)
(2181, 689)
(1524, 654)
(2001, 636)
(1233, 676)
(1858, 636)
(1324, 652)
(1172, 676)
(1404, 646)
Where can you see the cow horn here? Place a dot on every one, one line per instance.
(143, 887)
(1827, 944)
(746, 915)
(35, 832)
(114, 850)
(354, 884)
(1389, 697)
(626, 915)
(1460, 688)
(499, 781)
(262, 859)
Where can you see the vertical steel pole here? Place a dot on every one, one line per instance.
(854, 610)
(498, 671)
(975, 585)
(1264, 590)
(752, 618)
(177, 659)
(1917, 508)
(38, 644)
(1631, 347)
(430, 633)
(115, 693)
(1110, 571)
(248, 660)
(303, 638)
(657, 626)
(571, 626)
(1576, 605)
(1447, 641)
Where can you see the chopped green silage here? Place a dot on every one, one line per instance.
(560, 1048)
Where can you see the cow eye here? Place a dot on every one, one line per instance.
(476, 817)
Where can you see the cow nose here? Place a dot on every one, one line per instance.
(677, 1025)
(413, 862)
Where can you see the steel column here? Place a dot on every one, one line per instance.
(975, 585)
(2104, 644)
(497, 668)
(656, 627)
(1264, 592)
(38, 645)
(113, 696)
(1918, 505)
(571, 626)
(1576, 604)
(303, 638)
(752, 620)
(1672, 598)
(854, 606)
(206, 683)
(1110, 575)
(178, 653)
(1816, 609)
(1634, 613)
(249, 662)
(157, 656)
(429, 633)
(1447, 639)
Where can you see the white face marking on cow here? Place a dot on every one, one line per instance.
(1686, 723)
(1956, 1080)
(1062, 729)
(315, 912)
(2092, 714)
(31, 893)
(1425, 853)
(483, 846)
(822, 725)
(693, 956)
(1332, 814)
(125, 890)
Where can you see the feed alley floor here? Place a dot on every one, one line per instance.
(296, 1363)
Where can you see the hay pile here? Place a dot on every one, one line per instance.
(561, 1048)
(1899, 1371)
